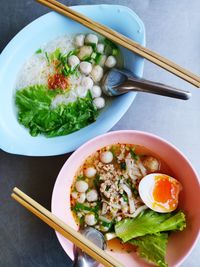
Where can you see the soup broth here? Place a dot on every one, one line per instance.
(108, 182)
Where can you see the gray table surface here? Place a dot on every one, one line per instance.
(172, 29)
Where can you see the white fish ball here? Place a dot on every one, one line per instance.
(79, 40)
(85, 67)
(87, 82)
(81, 198)
(81, 92)
(90, 219)
(81, 186)
(110, 62)
(92, 195)
(100, 48)
(102, 60)
(97, 73)
(151, 163)
(96, 91)
(91, 39)
(99, 102)
(106, 157)
(75, 194)
(85, 51)
(73, 61)
(90, 172)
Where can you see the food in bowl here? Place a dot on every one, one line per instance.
(110, 193)
(58, 89)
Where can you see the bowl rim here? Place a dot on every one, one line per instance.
(142, 133)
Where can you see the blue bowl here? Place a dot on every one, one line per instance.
(14, 138)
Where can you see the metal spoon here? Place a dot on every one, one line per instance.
(81, 259)
(119, 81)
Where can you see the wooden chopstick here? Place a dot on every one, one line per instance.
(124, 41)
(65, 230)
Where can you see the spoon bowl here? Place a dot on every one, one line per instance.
(120, 81)
(81, 259)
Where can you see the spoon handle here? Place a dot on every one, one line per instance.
(142, 85)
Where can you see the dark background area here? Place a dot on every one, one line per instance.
(172, 29)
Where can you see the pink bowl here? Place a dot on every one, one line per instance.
(180, 243)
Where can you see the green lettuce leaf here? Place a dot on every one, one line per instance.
(36, 114)
(149, 222)
(152, 248)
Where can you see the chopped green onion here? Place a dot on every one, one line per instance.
(63, 56)
(73, 70)
(93, 55)
(98, 58)
(106, 224)
(64, 72)
(111, 47)
(125, 198)
(80, 177)
(104, 219)
(84, 207)
(81, 207)
(115, 51)
(77, 73)
(96, 182)
(72, 52)
(67, 67)
(96, 216)
(135, 192)
(86, 58)
(47, 57)
(110, 43)
(81, 221)
(133, 154)
(55, 55)
(129, 183)
(39, 51)
(94, 46)
(123, 165)
(107, 188)
(97, 207)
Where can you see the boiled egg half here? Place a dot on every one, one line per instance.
(160, 192)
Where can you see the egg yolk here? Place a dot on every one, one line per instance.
(166, 191)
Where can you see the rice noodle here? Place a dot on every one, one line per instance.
(137, 212)
(36, 70)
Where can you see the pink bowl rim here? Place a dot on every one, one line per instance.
(143, 133)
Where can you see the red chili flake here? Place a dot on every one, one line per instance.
(57, 80)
